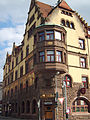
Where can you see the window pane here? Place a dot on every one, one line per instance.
(50, 52)
(57, 35)
(77, 109)
(41, 36)
(58, 56)
(81, 44)
(49, 35)
(83, 62)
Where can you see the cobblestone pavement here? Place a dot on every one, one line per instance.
(10, 118)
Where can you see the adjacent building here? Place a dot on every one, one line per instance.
(55, 50)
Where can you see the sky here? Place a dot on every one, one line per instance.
(13, 17)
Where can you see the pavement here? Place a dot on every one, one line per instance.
(10, 118)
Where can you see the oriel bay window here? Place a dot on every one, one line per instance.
(58, 56)
(50, 56)
(50, 35)
(42, 56)
(41, 36)
(82, 62)
(85, 81)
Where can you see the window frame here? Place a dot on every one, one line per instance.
(59, 56)
(82, 44)
(50, 33)
(51, 55)
(41, 36)
(42, 57)
(83, 63)
(66, 81)
(85, 82)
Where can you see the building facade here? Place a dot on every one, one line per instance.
(55, 50)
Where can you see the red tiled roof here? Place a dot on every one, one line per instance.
(63, 4)
(44, 8)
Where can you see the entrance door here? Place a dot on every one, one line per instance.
(48, 112)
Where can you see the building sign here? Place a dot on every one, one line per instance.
(48, 103)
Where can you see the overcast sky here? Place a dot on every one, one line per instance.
(13, 16)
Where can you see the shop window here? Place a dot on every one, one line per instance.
(42, 56)
(34, 107)
(57, 35)
(72, 25)
(41, 36)
(49, 35)
(63, 22)
(50, 56)
(23, 107)
(67, 24)
(58, 56)
(79, 106)
(16, 107)
(83, 62)
(85, 81)
(27, 106)
(68, 81)
(81, 43)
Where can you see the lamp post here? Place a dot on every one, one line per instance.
(65, 96)
(56, 98)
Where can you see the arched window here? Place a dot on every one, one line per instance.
(23, 107)
(68, 81)
(72, 25)
(34, 107)
(63, 22)
(80, 105)
(27, 106)
(67, 24)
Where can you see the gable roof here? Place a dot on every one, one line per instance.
(44, 8)
(64, 5)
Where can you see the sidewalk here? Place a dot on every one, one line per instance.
(10, 118)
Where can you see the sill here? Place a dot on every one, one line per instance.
(80, 113)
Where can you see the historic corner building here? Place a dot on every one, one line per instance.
(55, 50)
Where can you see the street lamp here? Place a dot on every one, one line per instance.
(65, 96)
(56, 98)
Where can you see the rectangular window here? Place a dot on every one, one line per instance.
(27, 50)
(42, 56)
(16, 75)
(16, 60)
(83, 62)
(81, 44)
(57, 35)
(49, 35)
(12, 64)
(21, 87)
(15, 90)
(85, 81)
(21, 55)
(11, 77)
(41, 36)
(50, 56)
(35, 60)
(21, 71)
(58, 56)
(35, 39)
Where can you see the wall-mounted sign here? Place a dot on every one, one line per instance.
(83, 90)
(48, 103)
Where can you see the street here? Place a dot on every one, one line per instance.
(10, 118)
